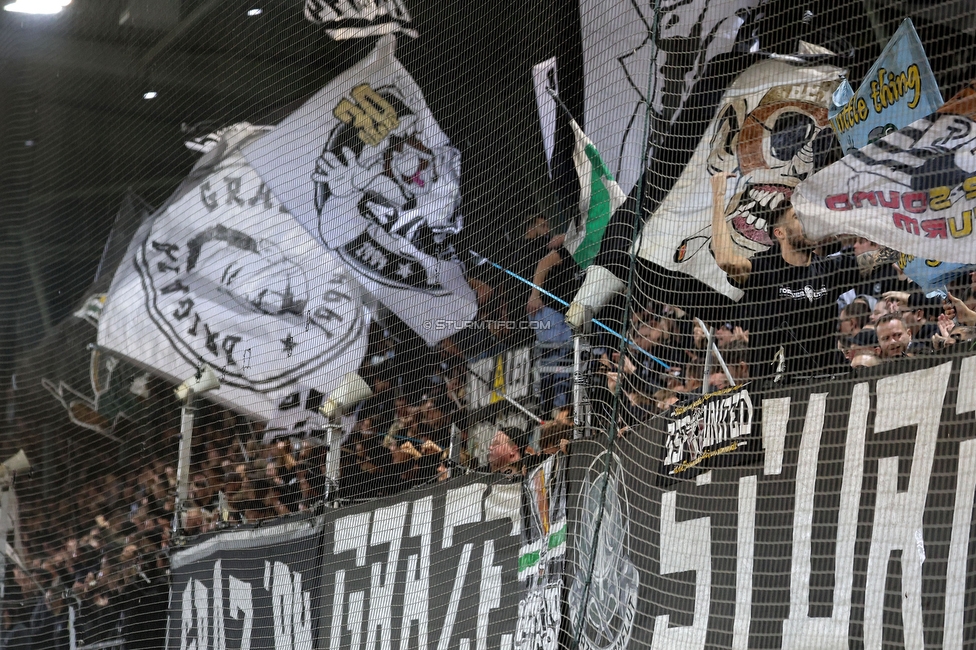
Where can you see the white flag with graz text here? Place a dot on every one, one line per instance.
(366, 169)
(223, 275)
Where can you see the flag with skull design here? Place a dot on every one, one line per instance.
(364, 167)
(222, 274)
(770, 132)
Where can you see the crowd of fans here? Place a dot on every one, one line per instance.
(104, 549)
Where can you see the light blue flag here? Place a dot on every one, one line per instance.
(899, 89)
(931, 275)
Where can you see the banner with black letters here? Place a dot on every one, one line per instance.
(852, 524)
(852, 529)
(250, 588)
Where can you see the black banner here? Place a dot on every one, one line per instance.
(851, 530)
(430, 568)
(714, 430)
(250, 588)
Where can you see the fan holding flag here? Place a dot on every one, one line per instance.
(599, 198)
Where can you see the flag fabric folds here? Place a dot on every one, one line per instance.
(364, 167)
(914, 190)
(632, 58)
(769, 132)
(600, 196)
(545, 81)
(223, 275)
(344, 20)
(877, 108)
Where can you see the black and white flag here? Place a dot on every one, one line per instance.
(631, 58)
(345, 19)
(366, 169)
(223, 275)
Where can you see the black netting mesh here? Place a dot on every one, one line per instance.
(388, 324)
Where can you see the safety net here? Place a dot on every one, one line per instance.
(583, 324)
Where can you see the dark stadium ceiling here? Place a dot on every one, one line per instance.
(76, 131)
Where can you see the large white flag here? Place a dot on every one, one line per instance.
(223, 275)
(366, 169)
(770, 131)
(913, 190)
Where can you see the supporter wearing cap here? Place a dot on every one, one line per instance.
(864, 342)
(650, 333)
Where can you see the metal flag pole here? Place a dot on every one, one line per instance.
(721, 362)
(187, 412)
(203, 381)
(581, 398)
(708, 357)
(562, 302)
(712, 348)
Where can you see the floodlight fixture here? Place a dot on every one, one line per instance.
(203, 381)
(350, 391)
(38, 7)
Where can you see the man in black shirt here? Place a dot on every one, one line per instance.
(790, 294)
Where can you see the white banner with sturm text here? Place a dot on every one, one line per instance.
(914, 190)
(851, 530)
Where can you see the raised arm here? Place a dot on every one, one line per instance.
(542, 269)
(735, 265)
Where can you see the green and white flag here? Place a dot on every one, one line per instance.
(600, 196)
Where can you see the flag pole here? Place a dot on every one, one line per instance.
(501, 393)
(581, 397)
(555, 96)
(566, 304)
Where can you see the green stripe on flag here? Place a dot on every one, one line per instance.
(528, 560)
(600, 209)
(557, 538)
